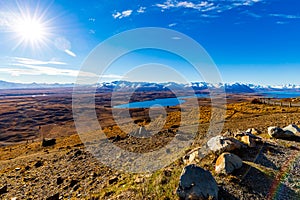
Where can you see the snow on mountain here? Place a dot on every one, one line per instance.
(146, 86)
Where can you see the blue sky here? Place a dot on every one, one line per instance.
(251, 41)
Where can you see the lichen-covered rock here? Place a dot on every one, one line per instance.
(292, 128)
(249, 141)
(253, 131)
(220, 144)
(197, 183)
(277, 132)
(227, 163)
(191, 156)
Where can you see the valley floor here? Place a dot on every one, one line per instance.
(271, 170)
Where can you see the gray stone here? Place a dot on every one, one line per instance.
(249, 141)
(197, 183)
(227, 163)
(241, 134)
(191, 156)
(220, 144)
(253, 131)
(292, 129)
(277, 132)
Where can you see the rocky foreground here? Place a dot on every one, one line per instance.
(262, 162)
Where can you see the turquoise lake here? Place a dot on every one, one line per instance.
(180, 100)
(159, 102)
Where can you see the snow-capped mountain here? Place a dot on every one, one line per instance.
(12, 85)
(146, 86)
(274, 87)
(199, 86)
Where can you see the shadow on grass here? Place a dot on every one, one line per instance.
(292, 139)
(259, 182)
(224, 195)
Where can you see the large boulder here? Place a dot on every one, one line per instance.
(220, 144)
(292, 128)
(227, 163)
(277, 132)
(197, 183)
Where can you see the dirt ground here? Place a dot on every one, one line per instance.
(271, 170)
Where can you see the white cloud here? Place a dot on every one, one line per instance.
(176, 38)
(166, 5)
(5, 20)
(184, 4)
(285, 16)
(25, 69)
(18, 66)
(281, 22)
(91, 19)
(116, 15)
(206, 6)
(120, 15)
(92, 31)
(36, 70)
(70, 53)
(251, 14)
(29, 61)
(126, 13)
(173, 24)
(141, 9)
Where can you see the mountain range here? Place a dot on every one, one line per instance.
(146, 86)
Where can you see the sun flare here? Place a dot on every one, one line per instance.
(30, 30)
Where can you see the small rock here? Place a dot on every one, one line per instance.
(228, 133)
(94, 174)
(48, 142)
(277, 132)
(38, 163)
(238, 135)
(139, 180)
(292, 128)
(73, 182)
(227, 163)
(191, 156)
(248, 141)
(168, 173)
(197, 183)
(113, 180)
(14, 198)
(17, 168)
(219, 144)
(253, 131)
(59, 180)
(53, 197)
(3, 189)
(77, 152)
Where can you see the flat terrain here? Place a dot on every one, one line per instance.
(270, 171)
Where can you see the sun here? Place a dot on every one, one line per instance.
(30, 30)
